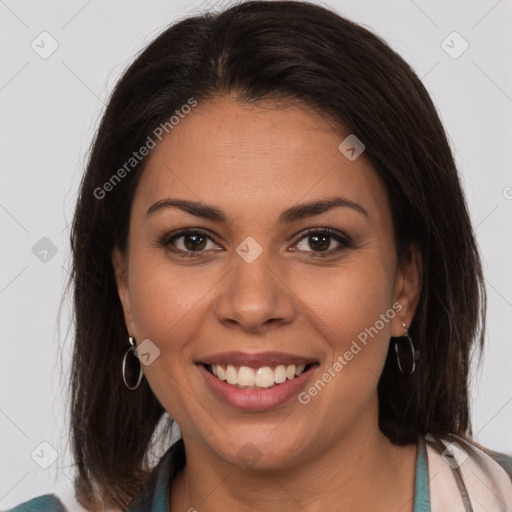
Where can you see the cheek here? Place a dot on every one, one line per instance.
(167, 307)
(166, 299)
(352, 308)
(350, 298)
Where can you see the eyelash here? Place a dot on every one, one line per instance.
(344, 241)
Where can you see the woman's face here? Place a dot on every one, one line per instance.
(257, 283)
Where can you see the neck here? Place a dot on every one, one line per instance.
(360, 472)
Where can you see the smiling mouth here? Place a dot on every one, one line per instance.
(265, 377)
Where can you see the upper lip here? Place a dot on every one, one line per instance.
(255, 360)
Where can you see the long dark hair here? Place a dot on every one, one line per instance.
(283, 51)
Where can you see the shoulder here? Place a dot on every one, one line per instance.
(45, 503)
(62, 501)
(471, 469)
(497, 464)
(505, 461)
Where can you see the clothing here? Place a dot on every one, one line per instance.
(450, 477)
(421, 485)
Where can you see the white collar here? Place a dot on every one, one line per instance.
(482, 479)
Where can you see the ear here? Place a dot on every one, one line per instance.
(120, 266)
(407, 290)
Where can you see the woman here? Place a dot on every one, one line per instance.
(272, 216)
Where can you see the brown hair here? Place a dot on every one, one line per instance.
(290, 51)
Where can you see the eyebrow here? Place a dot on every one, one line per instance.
(292, 214)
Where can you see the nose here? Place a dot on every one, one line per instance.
(255, 297)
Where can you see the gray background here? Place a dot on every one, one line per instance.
(50, 109)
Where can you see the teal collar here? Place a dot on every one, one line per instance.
(421, 485)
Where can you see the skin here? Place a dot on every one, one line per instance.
(253, 162)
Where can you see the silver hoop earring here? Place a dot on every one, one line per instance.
(132, 372)
(406, 354)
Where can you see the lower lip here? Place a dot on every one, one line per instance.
(256, 399)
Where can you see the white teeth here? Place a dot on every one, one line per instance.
(280, 374)
(299, 369)
(231, 374)
(290, 371)
(246, 376)
(264, 377)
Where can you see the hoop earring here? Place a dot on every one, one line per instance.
(141, 373)
(405, 361)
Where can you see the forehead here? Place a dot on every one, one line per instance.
(247, 157)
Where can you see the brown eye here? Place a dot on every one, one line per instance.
(190, 241)
(194, 242)
(323, 241)
(320, 242)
